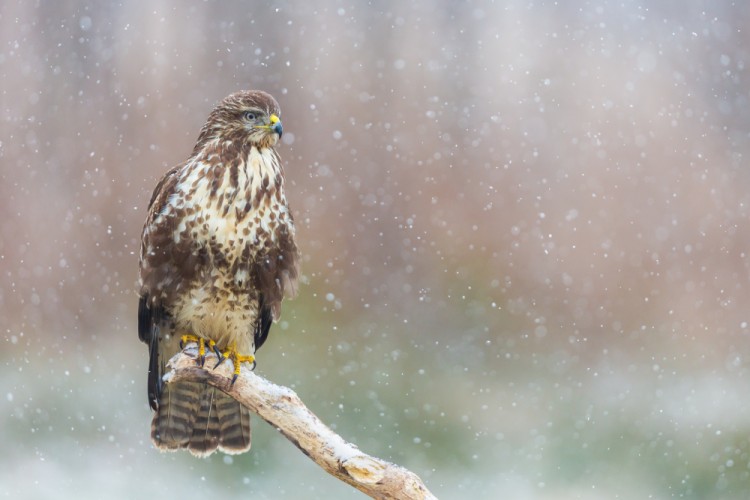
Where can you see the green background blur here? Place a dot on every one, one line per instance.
(524, 229)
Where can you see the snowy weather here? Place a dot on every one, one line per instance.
(523, 228)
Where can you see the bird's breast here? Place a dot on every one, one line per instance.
(233, 208)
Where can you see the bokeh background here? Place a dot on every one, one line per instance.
(524, 226)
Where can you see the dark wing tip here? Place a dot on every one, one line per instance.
(148, 323)
(264, 323)
(145, 320)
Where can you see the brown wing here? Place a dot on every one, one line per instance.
(151, 314)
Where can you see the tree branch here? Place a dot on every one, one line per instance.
(283, 409)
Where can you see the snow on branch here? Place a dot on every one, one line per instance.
(283, 409)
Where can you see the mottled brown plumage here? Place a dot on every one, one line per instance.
(217, 258)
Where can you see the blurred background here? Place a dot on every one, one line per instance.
(524, 227)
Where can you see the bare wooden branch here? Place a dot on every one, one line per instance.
(283, 409)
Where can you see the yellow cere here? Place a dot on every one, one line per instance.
(273, 119)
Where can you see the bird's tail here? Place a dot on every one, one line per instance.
(201, 418)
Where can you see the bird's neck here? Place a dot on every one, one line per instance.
(263, 162)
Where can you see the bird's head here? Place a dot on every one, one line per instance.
(247, 116)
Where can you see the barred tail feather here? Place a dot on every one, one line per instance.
(234, 425)
(173, 422)
(200, 418)
(205, 438)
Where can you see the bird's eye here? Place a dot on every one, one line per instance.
(250, 116)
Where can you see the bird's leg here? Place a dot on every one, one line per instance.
(185, 339)
(201, 352)
(239, 358)
(236, 359)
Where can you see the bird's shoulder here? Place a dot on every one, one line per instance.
(169, 184)
(164, 188)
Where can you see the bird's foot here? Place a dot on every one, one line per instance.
(236, 358)
(202, 343)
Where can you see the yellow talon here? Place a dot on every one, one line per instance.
(241, 359)
(189, 338)
(237, 360)
(231, 353)
(201, 346)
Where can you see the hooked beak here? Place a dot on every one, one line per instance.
(276, 125)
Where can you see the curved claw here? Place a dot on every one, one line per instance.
(219, 356)
(222, 358)
(236, 358)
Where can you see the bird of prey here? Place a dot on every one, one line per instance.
(217, 257)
